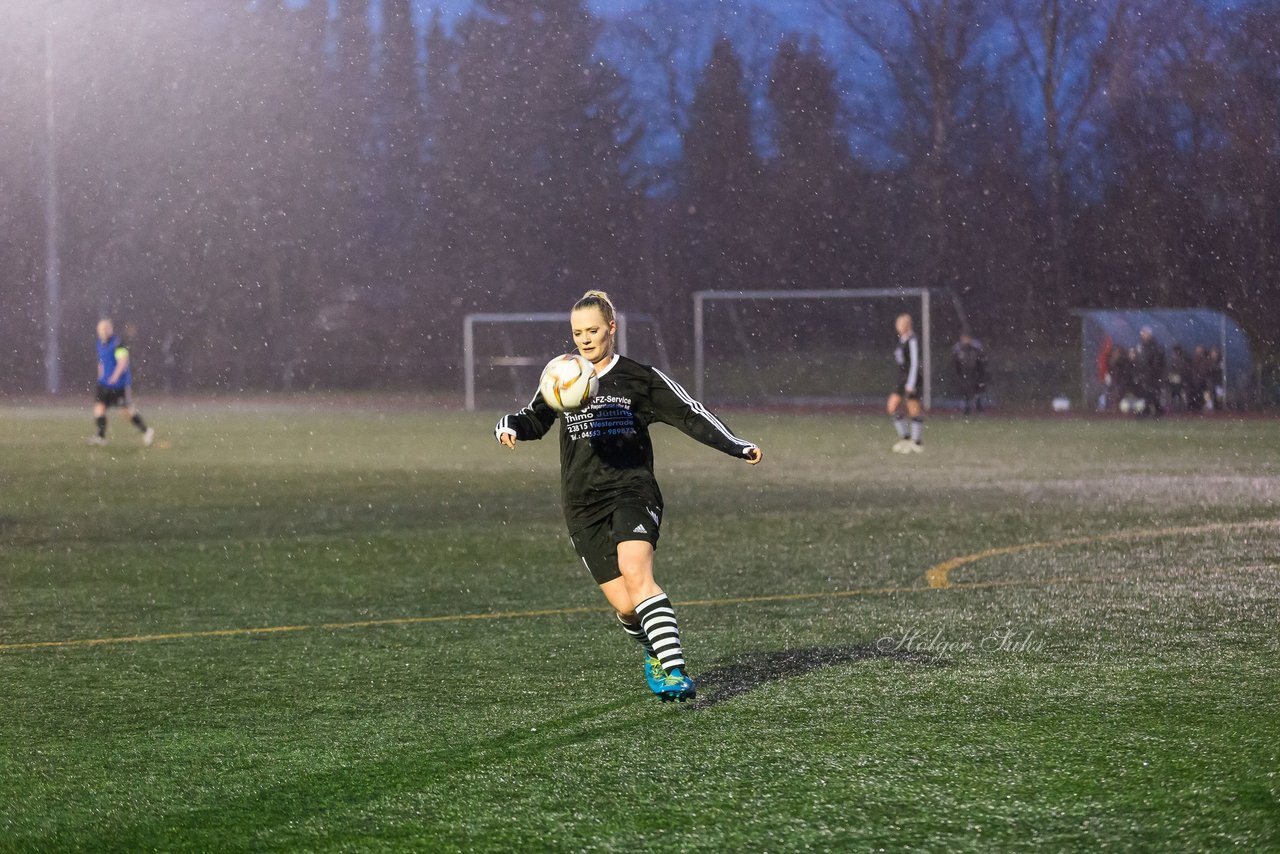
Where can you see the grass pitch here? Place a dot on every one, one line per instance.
(365, 630)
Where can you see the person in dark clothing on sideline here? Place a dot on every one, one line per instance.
(1199, 379)
(1122, 377)
(1216, 385)
(1116, 377)
(1179, 377)
(971, 369)
(1151, 370)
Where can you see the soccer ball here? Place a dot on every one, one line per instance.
(568, 382)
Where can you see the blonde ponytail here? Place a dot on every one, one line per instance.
(600, 300)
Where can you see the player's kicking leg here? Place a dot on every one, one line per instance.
(651, 621)
(598, 552)
(148, 434)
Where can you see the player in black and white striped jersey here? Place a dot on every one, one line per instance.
(907, 355)
(611, 500)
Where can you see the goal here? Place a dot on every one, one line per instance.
(813, 347)
(504, 361)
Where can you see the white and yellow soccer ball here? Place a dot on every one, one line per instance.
(568, 382)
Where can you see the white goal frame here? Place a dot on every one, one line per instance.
(700, 298)
(469, 342)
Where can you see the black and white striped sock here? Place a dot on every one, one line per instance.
(900, 424)
(659, 621)
(636, 630)
(917, 430)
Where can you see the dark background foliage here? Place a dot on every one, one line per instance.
(282, 195)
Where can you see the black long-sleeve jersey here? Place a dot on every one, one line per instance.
(606, 456)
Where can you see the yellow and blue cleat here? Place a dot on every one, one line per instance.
(676, 687)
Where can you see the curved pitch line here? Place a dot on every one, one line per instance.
(939, 575)
(501, 615)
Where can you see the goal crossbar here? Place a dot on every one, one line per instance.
(699, 330)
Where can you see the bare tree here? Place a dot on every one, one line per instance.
(1247, 206)
(1068, 48)
(931, 52)
(665, 44)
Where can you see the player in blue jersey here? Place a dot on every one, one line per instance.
(115, 386)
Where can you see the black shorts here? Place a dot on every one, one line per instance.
(901, 391)
(110, 397)
(597, 544)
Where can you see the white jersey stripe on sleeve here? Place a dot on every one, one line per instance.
(913, 346)
(532, 402)
(700, 409)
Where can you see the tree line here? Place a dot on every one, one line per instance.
(274, 196)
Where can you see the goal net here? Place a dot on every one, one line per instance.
(819, 347)
(504, 353)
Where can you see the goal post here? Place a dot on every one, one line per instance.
(919, 300)
(537, 345)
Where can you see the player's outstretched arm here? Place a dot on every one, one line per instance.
(675, 406)
(529, 423)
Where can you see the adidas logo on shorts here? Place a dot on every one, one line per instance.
(639, 529)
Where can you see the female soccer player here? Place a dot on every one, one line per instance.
(907, 355)
(611, 499)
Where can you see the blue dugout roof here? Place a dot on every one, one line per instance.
(1190, 327)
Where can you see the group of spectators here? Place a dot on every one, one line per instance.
(1143, 380)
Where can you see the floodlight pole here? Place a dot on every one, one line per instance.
(52, 264)
(468, 361)
(699, 361)
(1222, 337)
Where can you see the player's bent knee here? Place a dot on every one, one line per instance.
(637, 571)
(640, 572)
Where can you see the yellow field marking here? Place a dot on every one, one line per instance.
(939, 576)
(496, 615)
(939, 573)
(274, 630)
